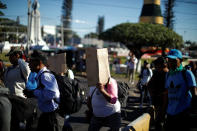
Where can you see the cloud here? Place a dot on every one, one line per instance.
(80, 21)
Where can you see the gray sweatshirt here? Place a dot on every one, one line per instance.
(15, 78)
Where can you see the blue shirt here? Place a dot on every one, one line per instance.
(49, 93)
(179, 96)
(32, 83)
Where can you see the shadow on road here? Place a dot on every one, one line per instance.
(77, 119)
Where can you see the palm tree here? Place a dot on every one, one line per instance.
(67, 18)
(169, 13)
(100, 26)
(2, 6)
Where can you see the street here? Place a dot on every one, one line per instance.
(128, 114)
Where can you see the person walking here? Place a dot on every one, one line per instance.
(131, 68)
(145, 77)
(105, 105)
(193, 66)
(180, 86)
(67, 126)
(117, 64)
(47, 93)
(156, 87)
(15, 76)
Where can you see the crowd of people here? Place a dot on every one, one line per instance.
(169, 87)
(172, 90)
(29, 80)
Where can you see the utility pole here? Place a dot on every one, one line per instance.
(17, 34)
(28, 26)
(62, 31)
(55, 38)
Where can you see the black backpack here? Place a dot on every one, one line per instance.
(123, 93)
(70, 94)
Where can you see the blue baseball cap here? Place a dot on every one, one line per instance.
(174, 53)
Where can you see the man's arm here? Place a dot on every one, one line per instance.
(24, 67)
(193, 90)
(103, 91)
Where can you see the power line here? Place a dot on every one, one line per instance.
(183, 13)
(128, 7)
(185, 2)
(107, 5)
(118, 6)
(14, 15)
(186, 28)
(188, 2)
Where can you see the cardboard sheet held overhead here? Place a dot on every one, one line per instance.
(97, 66)
(57, 63)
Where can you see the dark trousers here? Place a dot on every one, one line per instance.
(5, 113)
(179, 122)
(113, 121)
(144, 93)
(48, 122)
(159, 118)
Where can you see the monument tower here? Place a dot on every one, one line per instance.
(35, 30)
(151, 12)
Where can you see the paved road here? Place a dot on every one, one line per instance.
(128, 114)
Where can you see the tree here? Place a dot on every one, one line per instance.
(75, 35)
(66, 19)
(11, 26)
(91, 35)
(2, 6)
(169, 13)
(100, 26)
(136, 36)
(168, 17)
(17, 20)
(190, 43)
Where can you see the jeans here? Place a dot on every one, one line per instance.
(144, 91)
(131, 75)
(113, 121)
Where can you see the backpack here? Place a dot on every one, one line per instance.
(70, 94)
(123, 93)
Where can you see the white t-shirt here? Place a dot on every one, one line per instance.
(101, 107)
(71, 74)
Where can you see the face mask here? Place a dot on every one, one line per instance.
(178, 69)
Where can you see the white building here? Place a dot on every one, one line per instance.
(89, 42)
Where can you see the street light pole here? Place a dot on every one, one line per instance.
(28, 26)
(62, 31)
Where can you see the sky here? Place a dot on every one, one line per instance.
(85, 14)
